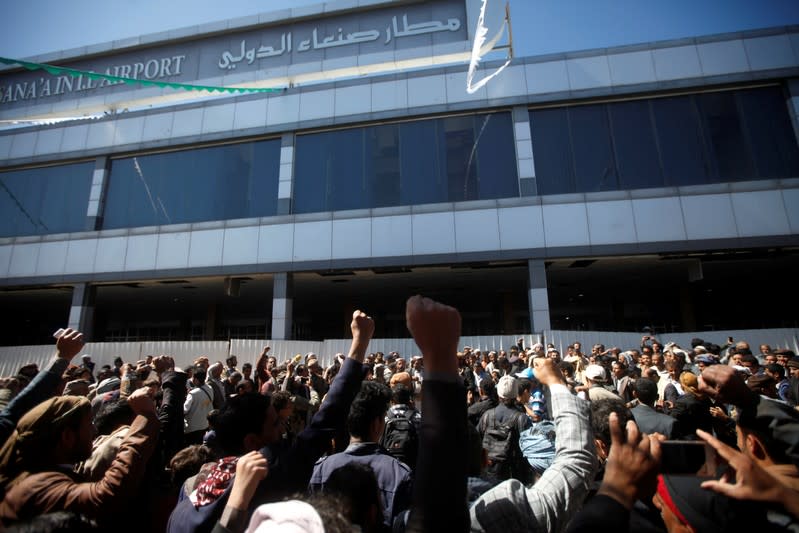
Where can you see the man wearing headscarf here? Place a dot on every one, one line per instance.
(35, 463)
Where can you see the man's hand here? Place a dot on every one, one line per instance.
(265, 350)
(69, 344)
(141, 403)
(436, 328)
(547, 372)
(632, 467)
(251, 469)
(725, 385)
(362, 327)
(751, 481)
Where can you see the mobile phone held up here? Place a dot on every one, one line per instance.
(688, 457)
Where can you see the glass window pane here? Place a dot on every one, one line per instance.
(680, 140)
(637, 159)
(216, 183)
(496, 157)
(770, 133)
(422, 181)
(554, 165)
(382, 165)
(595, 168)
(456, 156)
(45, 200)
(728, 151)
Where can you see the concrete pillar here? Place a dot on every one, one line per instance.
(285, 187)
(538, 296)
(81, 312)
(94, 213)
(282, 303)
(525, 166)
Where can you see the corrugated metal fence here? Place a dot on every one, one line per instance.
(185, 352)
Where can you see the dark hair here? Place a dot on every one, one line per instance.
(199, 373)
(749, 358)
(646, 390)
(566, 368)
(112, 415)
(60, 521)
(489, 388)
(230, 360)
(370, 403)
(522, 385)
(240, 416)
(401, 394)
(281, 399)
(356, 485)
(187, 462)
(779, 370)
(600, 417)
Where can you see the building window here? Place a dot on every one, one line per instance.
(427, 161)
(214, 183)
(39, 201)
(711, 137)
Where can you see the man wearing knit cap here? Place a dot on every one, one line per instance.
(35, 462)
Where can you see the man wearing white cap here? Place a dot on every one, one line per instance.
(595, 380)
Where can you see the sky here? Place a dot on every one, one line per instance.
(33, 27)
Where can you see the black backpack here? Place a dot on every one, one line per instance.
(498, 438)
(501, 443)
(400, 437)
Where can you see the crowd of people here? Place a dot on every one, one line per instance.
(654, 438)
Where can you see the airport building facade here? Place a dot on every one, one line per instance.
(653, 185)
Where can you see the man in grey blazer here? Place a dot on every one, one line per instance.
(647, 418)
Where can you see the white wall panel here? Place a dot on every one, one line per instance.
(187, 122)
(389, 95)
(708, 216)
(632, 67)
(173, 250)
(352, 100)
(352, 238)
(565, 225)
(547, 77)
(722, 57)
(157, 127)
(316, 104)
(676, 63)
(110, 255)
(588, 72)
(5, 259)
(433, 233)
(218, 118)
(80, 256)
(476, 231)
(23, 144)
(658, 219)
(51, 259)
(313, 241)
(141, 252)
(23, 259)
(129, 131)
(427, 90)
(276, 243)
(760, 213)
(48, 141)
(241, 246)
(521, 227)
(770, 52)
(611, 222)
(206, 248)
(250, 114)
(391, 236)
